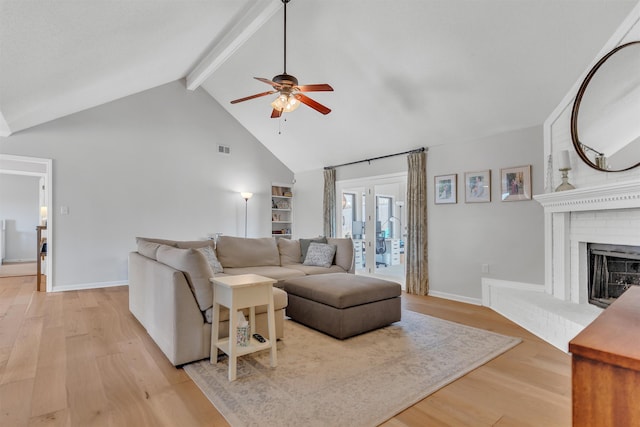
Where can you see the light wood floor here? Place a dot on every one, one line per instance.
(81, 359)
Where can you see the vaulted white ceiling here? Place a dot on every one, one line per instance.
(406, 73)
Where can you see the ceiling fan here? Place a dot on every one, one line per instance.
(290, 96)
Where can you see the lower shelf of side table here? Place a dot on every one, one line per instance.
(254, 345)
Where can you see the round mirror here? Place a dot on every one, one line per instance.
(605, 120)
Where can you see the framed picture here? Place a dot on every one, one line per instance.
(516, 183)
(446, 189)
(477, 187)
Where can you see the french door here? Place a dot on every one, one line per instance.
(371, 212)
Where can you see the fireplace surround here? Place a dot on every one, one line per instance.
(559, 309)
(605, 214)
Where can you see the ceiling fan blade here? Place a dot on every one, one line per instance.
(313, 104)
(315, 88)
(257, 95)
(269, 82)
(276, 113)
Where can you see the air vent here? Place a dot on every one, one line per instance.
(224, 149)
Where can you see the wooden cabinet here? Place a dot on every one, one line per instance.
(281, 210)
(606, 366)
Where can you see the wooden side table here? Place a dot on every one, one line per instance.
(235, 293)
(605, 364)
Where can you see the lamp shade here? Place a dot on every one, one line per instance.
(246, 195)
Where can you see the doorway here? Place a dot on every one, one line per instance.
(371, 212)
(41, 168)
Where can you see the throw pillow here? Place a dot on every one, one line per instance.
(320, 255)
(304, 246)
(210, 255)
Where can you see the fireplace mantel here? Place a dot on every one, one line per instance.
(619, 195)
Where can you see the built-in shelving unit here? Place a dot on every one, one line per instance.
(281, 210)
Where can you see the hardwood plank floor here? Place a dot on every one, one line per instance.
(80, 358)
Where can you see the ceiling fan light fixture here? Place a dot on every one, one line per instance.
(290, 93)
(285, 103)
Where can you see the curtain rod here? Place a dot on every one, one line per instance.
(417, 150)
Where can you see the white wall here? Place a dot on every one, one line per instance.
(146, 165)
(19, 207)
(506, 235)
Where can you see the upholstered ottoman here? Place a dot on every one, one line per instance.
(342, 304)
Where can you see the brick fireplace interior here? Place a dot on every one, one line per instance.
(612, 270)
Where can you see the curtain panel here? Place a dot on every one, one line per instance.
(417, 271)
(329, 202)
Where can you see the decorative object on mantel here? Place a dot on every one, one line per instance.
(246, 196)
(548, 184)
(565, 167)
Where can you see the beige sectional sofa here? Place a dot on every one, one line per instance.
(171, 295)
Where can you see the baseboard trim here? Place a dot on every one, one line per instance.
(18, 260)
(454, 297)
(84, 286)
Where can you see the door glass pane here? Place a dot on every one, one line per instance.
(353, 223)
(389, 244)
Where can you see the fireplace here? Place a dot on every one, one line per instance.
(612, 270)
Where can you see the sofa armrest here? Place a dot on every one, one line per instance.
(161, 299)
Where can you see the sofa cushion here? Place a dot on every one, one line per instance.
(289, 251)
(320, 255)
(161, 241)
(239, 252)
(196, 269)
(210, 254)
(273, 272)
(342, 290)
(280, 302)
(148, 249)
(195, 244)
(311, 270)
(304, 246)
(344, 251)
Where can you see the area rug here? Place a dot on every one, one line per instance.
(361, 381)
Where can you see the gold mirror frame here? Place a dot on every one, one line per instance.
(600, 163)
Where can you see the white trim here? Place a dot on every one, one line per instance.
(48, 176)
(249, 23)
(454, 297)
(488, 283)
(18, 260)
(621, 195)
(83, 286)
(362, 182)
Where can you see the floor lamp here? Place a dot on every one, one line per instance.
(246, 197)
